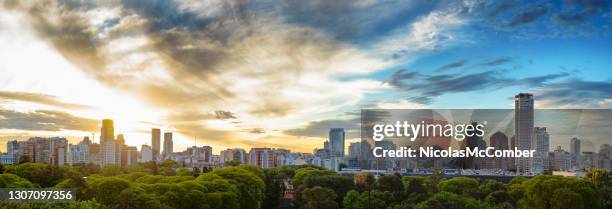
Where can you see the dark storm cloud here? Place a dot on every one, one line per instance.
(579, 11)
(577, 92)
(452, 65)
(40, 99)
(429, 86)
(45, 120)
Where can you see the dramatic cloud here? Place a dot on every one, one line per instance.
(321, 128)
(527, 16)
(497, 61)
(576, 93)
(579, 11)
(45, 120)
(435, 85)
(39, 98)
(452, 65)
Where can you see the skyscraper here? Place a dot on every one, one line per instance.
(155, 140)
(575, 153)
(540, 144)
(336, 142)
(107, 132)
(167, 144)
(523, 129)
(108, 149)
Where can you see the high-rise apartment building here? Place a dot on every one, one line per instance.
(523, 129)
(79, 153)
(108, 146)
(262, 157)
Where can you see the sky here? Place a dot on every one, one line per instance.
(281, 73)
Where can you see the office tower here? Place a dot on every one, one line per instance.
(540, 144)
(107, 132)
(575, 153)
(79, 153)
(108, 149)
(155, 140)
(499, 141)
(523, 129)
(146, 154)
(336, 142)
(326, 145)
(167, 144)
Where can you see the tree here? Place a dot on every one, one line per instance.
(390, 183)
(38, 173)
(152, 167)
(302, 173)
(602, 179)
(366, 182)
(232, 163)
(340, 184)
(250, 187)
(274, 188)
(196, 171)
(498, 198)
(8, 180)
(320, 198)
(446, 200)
(74, 179)
(415, 186)
(541, 192)
(434, 179)
(168, 167)
(564, 198)
(24, 159)
(462, 186)
(107, 190)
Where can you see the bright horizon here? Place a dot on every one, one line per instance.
(260, 74)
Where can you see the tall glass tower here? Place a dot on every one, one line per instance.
(336, 142)
(523, 129)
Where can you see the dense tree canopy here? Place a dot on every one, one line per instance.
(169, 185)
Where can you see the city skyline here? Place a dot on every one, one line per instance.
(274, 76)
